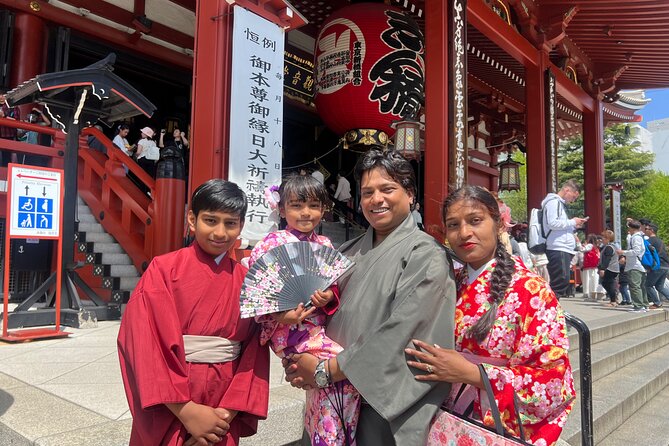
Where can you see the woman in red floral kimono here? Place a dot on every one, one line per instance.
(507, 319)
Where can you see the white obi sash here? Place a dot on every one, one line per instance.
(210, 349)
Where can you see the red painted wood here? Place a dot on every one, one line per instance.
(436, 116)
(125, 17)
(29, 51)
(211, 92)
(593, 168)
(52, 14)
(537, 176)
(498, 31)
(33, 334)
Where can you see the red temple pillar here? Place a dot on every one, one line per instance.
(593, 167)
(535, 112)
(28, 52)
(436, 116)
(211, 92)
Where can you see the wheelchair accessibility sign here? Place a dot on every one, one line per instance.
(36, 202)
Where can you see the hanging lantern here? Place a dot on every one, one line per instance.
(369, 71)
(407, 138)
(509, 175)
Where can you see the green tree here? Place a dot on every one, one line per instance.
(624, 162)
(653, 203)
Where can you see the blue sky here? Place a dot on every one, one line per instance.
(658, 108)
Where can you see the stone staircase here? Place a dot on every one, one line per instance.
(109, 260)
(630, 373)
(336, 232)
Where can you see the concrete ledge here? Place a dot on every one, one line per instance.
(612, 354)
(617, 396)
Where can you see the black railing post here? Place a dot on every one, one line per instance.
(585, 366)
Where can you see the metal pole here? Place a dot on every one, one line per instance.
(585, 364)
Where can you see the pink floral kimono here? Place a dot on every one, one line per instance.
(326, 427)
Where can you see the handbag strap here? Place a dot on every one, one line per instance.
(499, 427)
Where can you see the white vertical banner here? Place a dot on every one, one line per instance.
(256, 115)
(615, 215)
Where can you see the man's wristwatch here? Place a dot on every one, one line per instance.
(322, 375)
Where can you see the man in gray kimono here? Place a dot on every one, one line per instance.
(401, 288)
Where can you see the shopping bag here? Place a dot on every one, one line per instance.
(449, 427)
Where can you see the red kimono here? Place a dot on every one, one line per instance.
(530, 335)
(186, 293)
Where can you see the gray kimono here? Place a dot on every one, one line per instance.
(400, 290)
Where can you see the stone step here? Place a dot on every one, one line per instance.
(123, 271)
(90, 227)
(82, 209)
(128, 283)
(115, 259)
(110, 248)
(615, 353)
(619, 323)
(617, 396)
(99, 237)
(648, 426)
(86, 218)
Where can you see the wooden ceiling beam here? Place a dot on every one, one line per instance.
(123, 17)
(188, 4)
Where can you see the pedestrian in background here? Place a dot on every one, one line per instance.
(609, 267)
(655, 279)
(560, 241)
(589, 275)
(636, 273)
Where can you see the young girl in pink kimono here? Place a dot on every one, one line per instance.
(332, 412)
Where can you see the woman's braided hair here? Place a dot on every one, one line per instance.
(505, 267)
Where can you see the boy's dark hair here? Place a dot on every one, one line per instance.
(644, 221)
(219, 196)
(304, 188)
(394, 164)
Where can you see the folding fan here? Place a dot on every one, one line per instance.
(287, 275)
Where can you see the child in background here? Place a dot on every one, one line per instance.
(589, 274)
(609, 267)
(193, 371)
(332, 411)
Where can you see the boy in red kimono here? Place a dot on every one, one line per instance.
(194, 372)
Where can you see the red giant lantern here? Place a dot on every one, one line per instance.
(369, 70)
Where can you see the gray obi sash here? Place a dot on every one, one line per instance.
(210, 349)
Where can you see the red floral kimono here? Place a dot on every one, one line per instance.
(530, 335)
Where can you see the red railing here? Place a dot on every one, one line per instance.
(120, 206)
(124, 210)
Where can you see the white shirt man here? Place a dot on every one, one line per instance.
(343, 192)
(559, 229)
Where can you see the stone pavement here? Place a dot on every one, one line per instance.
(68, 392)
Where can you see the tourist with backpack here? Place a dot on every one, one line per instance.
(589, 274)
(636, 272)
(656, 277)
(559, 230)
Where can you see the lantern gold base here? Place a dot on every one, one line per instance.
(365, 139)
